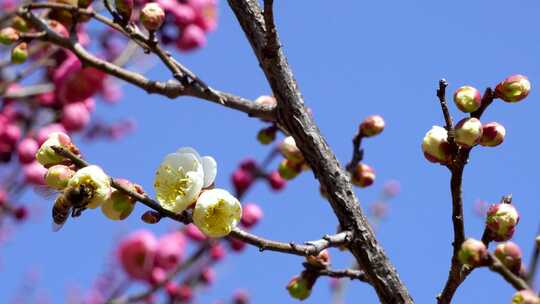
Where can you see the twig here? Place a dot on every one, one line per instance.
(171, 89)
(498, 267)
(441, 93)
(534, 262)
(357, 154)
(309, 248)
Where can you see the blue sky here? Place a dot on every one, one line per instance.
(351, 59)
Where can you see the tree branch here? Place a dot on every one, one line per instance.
(309, 248)
(292, 113)
(170, 89)
(498, 267)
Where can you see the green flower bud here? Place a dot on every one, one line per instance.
(493, 134)
(19, 53)
(299, 288)
(468, 132)
(472, 253)
(468, 99)
(8, 35)
(58, 176)
(514, 88)
(288, 170)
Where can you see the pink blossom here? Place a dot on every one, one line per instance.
(170, 250)
(90, 104)
(45, 131)
(276, 181)
(26, 150)
(193, 233)
(251, 215)
(136, 254)
(205, 13)
(217, 252)
(191, 37)
(183, 14)
(34, 173)
(46, 99)
(75, 116)
(11, 134)
(242, 180)
(75, 83)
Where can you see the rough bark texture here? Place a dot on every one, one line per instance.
(292, 114)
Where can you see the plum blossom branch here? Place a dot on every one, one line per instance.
(344, 273)
(456, 167)
(309, 248)
(441, 94)
(170, 89)
(533, 266)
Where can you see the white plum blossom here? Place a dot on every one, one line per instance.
(181, 177)
(46, 155)
(94, 178)
(217, 213)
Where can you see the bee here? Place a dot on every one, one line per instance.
(72, 201)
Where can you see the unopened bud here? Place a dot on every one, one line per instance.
(436, 147)
(299, 288)
(151, 217)
(525, 297)
(322, 260)
(19, 53)
(371, 126)
(468, 99)
(468, 132)
(8, 35)
(288, 170)
(510, 255)
(251, 215)
(493, 134)
(58, 176)
(152, 16)
(472, 253)
(119, 205)
(290, 150)
(124, 8)
(514, 88)
(363, 175)
(20, 24)
(501, 221)
(267, 135)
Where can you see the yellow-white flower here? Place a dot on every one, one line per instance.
(95, 179)
(217, 213)
(181, 177)
(46, 155)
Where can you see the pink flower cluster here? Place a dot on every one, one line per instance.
(188, 22)
(249, 171)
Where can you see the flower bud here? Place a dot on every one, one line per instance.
(472, 253)
(20, 213)
(436, 147)
(8, 35)
(241, 297)
(58, 176)
(217, 252)
(217, 213)
(468, 99)
(276, 181)
(288, 170)
(242, 180)
(20, 24)
(299, 288)
(266, 100)
(152, 16)
(322, 260)
(251, 215)
(510, 255)
(27, 149)
(119, 205)
(501, 221)
(34, 173)
(525, 297)
(75, 116)
(124, 8)
(468, 132)
(267, 135)
(194, 233)
(191, 37)
(46, 154)
(151, 217)
(371, 126)
(208, 276)
(290, 151)
(19, 53)
(363, 176)
(513, 89)
(492, 134)
(237, 245)
(136, 254)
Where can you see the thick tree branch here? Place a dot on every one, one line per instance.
(309, 248)
(292, 113)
